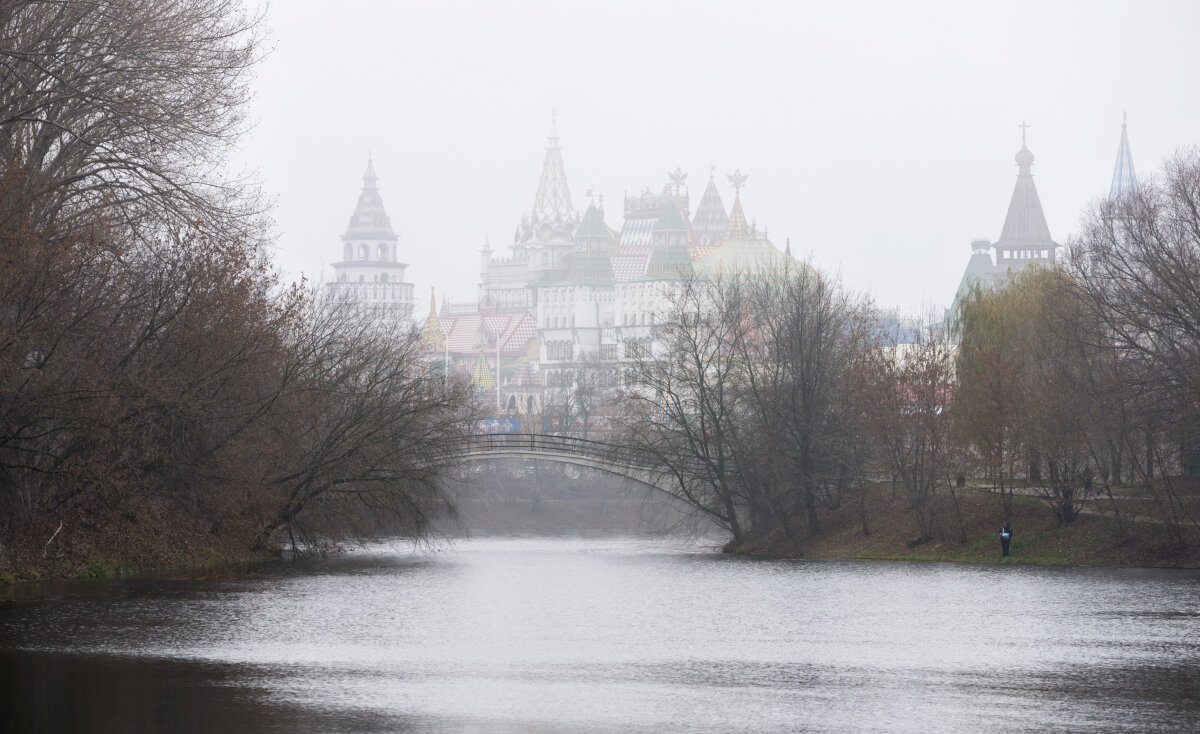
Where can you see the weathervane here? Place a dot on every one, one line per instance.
(737, 179)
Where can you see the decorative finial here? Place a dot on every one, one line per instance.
(432, 301)
(737, 179)
(1023, 126)
(554, 126)
(1124, 118)
(591, 193)
(712, 171)
(677, 178)
(787, 248)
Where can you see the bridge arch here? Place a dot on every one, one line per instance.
(605, 457)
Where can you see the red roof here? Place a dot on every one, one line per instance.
(465, 335)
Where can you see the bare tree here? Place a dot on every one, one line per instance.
(162, 396)
(370, 432)
(125, 106)
(578, 391)
(747, 400)
(803, 338)
(681, 402)
(1137, 261)
(910, 386)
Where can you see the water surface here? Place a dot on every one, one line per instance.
(607, 634)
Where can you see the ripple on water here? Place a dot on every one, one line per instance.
(635, 634)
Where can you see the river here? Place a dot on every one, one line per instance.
(577, 634)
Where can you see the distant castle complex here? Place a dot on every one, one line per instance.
(574, 292)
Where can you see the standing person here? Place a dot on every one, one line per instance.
(1005, 538)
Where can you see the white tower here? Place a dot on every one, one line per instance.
(370, 272)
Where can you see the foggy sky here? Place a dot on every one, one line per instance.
(878, 137)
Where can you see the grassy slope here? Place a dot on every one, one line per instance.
(1090, 540)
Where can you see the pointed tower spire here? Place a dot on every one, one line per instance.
(369, 178)
(708, 226)
(369, 216)
(553, 200)
(433, 337)
(1025, 222)
(1025, 238)
(1124, 180)
(737, 227)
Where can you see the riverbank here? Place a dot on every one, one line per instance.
(222, 567)
(892, 534)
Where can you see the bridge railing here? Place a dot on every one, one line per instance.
(545, 443)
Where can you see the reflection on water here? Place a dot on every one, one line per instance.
(571, 634)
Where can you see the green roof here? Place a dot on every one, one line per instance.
(592, 224)
(670, 220)
(667, 266)
(979, 270)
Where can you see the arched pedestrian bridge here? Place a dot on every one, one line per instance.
(606, 457)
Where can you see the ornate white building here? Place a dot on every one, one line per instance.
(370, 272)
(541, 244)
(574, 293)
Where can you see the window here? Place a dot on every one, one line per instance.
(381, 252)
(383, 278)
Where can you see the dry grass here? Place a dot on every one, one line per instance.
(1089, 541)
